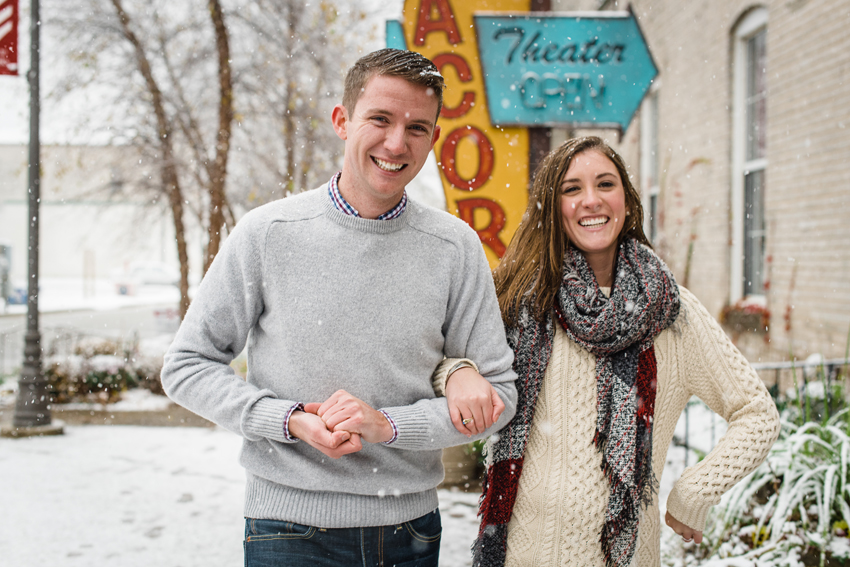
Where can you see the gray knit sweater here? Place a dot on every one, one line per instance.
(327, 301)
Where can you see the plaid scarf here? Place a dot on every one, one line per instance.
(620, 331)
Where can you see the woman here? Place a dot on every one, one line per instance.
(608, 351)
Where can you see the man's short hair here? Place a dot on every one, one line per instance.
(408, 65)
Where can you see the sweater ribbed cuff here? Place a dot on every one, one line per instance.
(297, 407)
(692, 514)
(414, 430)
(266, 420)
(393, 425)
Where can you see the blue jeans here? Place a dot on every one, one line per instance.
(272, 543)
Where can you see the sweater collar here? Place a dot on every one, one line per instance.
(372, 226)
(344, 206)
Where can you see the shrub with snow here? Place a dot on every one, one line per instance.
(791, 511)
(99, 370)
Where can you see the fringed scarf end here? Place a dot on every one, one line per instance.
(492, 538)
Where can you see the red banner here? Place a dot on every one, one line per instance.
(8, 37)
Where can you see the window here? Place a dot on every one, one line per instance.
(749, 156)
(649, 168)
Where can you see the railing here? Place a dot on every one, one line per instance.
(828, 370)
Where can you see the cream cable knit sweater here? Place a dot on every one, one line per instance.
(562, 496)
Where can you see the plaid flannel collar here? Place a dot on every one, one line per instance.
(341, 204)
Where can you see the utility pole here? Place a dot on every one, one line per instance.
(32, 407)
(539, 137)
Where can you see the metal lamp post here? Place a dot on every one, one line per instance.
(32, 407)
(539, 137)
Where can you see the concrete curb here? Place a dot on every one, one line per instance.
(173, 416)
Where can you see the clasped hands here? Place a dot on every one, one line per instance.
(339, 425)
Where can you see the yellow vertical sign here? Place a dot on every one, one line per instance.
(484, 169)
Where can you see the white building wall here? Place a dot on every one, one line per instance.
(86, 229)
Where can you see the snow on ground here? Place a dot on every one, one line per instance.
(140, 496)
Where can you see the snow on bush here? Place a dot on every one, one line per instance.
(791, 511)
(99, 370)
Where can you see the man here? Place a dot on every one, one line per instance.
(348, 297)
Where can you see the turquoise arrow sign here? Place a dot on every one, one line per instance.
(589, 69)
(395, 35)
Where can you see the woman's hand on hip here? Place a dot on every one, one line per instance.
(688, 534)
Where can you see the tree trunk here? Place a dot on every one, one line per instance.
(309, 153)
(289, 140)
(168, 167)
(175, 199)
(290, 122)
(222, 146)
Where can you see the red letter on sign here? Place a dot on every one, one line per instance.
(465, 75)
(9, 38)
(485, 158)
(445, 22)
(489, 235)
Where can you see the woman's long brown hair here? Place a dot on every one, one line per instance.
(530, 270)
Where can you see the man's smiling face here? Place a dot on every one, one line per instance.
(387, 137)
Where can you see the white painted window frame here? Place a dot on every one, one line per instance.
(649, 189)
(753, 23)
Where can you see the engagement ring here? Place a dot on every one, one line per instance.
(467, 421)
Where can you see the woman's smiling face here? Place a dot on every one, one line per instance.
(593, 205)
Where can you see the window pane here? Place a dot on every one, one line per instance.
(754, 233)
(757, 96)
